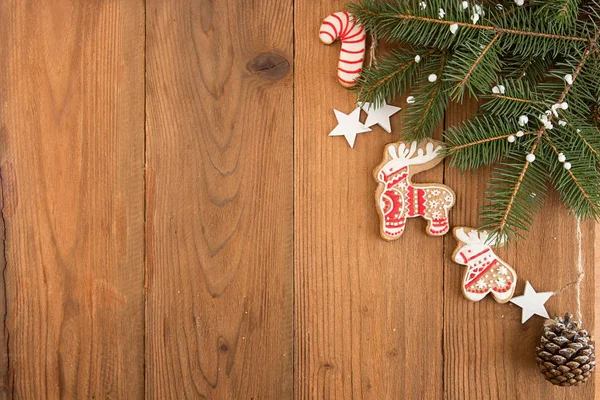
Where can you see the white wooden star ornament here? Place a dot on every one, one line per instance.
(532, 302)
(380, 115)
(349, 126)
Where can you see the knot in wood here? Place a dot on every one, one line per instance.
(269, 66)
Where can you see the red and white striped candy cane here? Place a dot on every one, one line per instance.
(341, 25)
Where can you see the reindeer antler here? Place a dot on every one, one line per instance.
(478, 237)
(405, 154)
(481, 236)
(473, 237)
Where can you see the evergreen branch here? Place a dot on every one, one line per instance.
(515, 187)
(492, 28)
(504, 221)
(392, 74)
(585, 141)
(487, 140)
(523, 70)
(360, 10)
(501, 96)
(532, 69)
(593, 205)
(538, 63)
(421, 121)
(577, 71)
(561, 12)
(517, 97)
(490, 72)
(482, 141)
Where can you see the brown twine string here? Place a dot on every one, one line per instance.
(373, 50)
(580, 273)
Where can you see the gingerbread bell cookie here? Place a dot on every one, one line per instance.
(397, 198)
(486, 272)
(343, 26)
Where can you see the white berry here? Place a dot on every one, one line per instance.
(410, 99)
(561, 157)
(569, 79)
(519, 2)
(562, 123)
(520, 133)
(432, 78)
(417, 58)
(567, 165)
(442, 13)
(511, 139)
(465, 5)
(564, 105)
(523, 120)
(453, 28)
(530, 157)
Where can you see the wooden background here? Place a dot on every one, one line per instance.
(176, 223)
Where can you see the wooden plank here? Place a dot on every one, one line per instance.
(72, 158)
(597, 298)
(219, 199)
(368, 317)
(487, 352)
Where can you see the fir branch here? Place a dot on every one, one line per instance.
(421, 121)
(503, 226)
(577, 71)
(404, 22)
(531, 69)
(587, 142)
(393, 73)
(560, 12)
(503, 97)
(492, 28)
(514, 191)
(516, 98)
(486, 140)
(477, 75)
(593, 204)
(540, 61)
(482, 141)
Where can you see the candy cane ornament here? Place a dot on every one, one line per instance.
(341, 25)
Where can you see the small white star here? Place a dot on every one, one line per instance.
(532, 303)
(348, 126)
(380, 116)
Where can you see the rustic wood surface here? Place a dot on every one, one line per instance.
(72, 176)
(176, 223)
(219, 211)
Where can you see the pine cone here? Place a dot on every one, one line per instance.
(566, 353)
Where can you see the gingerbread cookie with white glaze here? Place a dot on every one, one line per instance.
(398, 199)
(486, 272)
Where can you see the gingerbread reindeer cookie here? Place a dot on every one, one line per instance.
(398, 198)
(486, 272)
(342, 26)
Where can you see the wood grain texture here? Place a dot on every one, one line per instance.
(368, 319)
(176, 223)
(72, 157)
(488, 353)
(219, 199)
